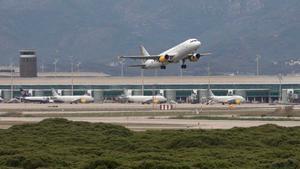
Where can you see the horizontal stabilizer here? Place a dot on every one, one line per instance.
(142, 65)
(205, 54)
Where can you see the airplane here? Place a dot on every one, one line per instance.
(234, 99)
(71, 99)
(27, 98)
(127, 97)
(179, 53)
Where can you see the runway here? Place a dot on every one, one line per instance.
(144, 117)
(148, 122)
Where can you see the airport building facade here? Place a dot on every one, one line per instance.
(265, 89)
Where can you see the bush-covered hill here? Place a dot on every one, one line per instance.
(58, 143)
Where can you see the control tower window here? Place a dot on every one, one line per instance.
(27, 53)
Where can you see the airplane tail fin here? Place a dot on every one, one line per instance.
(144, 52)
(210, 93)
(127, 92)
(54, 93)
(24, 93)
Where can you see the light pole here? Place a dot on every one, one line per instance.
(55, 64)
(72, 71)
(11, 81)
(181, 72)
(142, 75)
(122, 62)
(258, 57)
(78, 66)
(43, 67)
(280, 88)
(208, 69)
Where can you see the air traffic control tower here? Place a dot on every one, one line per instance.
(28, 63)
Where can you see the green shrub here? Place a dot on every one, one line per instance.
(34, 163)
(102, 164)
(59, 143)
(159, 165)
(286, 164)
(15, 161)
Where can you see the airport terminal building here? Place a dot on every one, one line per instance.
(104, 88)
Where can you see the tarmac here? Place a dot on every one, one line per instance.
(81, 79)
(148, 117)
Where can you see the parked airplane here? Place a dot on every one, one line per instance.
(127, 97)
(71, 99)
(234, 99)
(26, 97)
(180, 53)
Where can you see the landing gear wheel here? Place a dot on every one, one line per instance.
(183, 66)
(163, 67)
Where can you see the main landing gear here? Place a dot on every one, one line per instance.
(183, 65)
(163, 67)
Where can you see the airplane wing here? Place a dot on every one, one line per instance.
(205, 54)
(152, 100)
(148, 101)
(142, 65)
(140, 57)
(201, 54)
(76, 100)
(154, 57)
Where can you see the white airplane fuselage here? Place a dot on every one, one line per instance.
(36, 99)
(227, 99)
(235, 99)
(146, 99)
(178, 53)
(75, 99)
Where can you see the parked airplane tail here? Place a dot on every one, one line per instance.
(127, 92)
(54, 93)
(24, 93)
(210, 93)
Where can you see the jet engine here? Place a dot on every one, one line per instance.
(195, 57)
(165, 58)
(82, 100)
(235, 101)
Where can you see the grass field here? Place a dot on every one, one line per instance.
(58, 143)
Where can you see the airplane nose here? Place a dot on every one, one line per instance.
(198, 43)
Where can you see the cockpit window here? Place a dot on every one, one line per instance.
(194, 40)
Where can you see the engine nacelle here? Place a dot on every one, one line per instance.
(235, 101)
(195, 57)
(164, 58)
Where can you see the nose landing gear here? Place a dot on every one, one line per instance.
(183, 65)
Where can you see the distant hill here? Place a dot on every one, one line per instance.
(94, 32)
